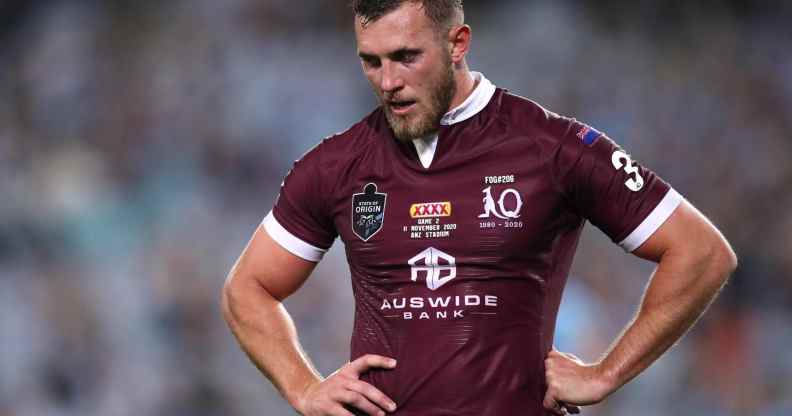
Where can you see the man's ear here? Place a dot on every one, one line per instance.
(459, 39)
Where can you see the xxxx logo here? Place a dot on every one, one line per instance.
(430, 210)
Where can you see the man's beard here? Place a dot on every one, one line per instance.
(423, 124)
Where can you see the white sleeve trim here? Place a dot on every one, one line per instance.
(290, 242)
(653, 221)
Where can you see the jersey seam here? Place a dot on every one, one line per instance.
(555, 173)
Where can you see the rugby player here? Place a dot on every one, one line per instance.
(460, 206)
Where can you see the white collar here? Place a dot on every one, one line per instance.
(473, 104)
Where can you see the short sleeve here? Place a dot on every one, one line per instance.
(603, 184)
(300, 221)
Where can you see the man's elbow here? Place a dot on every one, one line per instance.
(731, 261)
(229, 297)
(243, 293)
(722, 258)
(225, 300)
(730, 264)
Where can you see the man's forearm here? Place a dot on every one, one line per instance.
(266, 333)
(681, 288)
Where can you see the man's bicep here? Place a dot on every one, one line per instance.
(686, 228)
(265, 262)
(294, 236)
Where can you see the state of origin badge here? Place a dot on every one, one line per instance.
(368, 212)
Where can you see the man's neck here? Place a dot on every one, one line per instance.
(466, 83)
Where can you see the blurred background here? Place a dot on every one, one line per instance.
(142, 142)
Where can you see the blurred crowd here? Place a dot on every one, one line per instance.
(141, 143)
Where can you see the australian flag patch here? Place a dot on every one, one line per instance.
(588, 135)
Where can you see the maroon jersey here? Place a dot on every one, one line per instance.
(458, 268)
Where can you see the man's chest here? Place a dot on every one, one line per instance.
(487, 214)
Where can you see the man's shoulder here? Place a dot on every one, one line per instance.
(356, 139)
(526, 113)
(342, 147)
(533, 119)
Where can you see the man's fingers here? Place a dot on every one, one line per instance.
(552, 405)
(359, 402)
(368, 361)
(373, 394)
(340, 411)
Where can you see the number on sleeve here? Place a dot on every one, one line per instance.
(622, 160)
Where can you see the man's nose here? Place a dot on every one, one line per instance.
(391, 80)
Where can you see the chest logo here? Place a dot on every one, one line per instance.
(368, 212)
(508, 206)
(430, 210)
(428, 262)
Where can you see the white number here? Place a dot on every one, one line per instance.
(622, 160)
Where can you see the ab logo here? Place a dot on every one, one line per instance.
(502, 209)
(428, 261)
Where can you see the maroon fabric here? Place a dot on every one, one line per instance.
(476, 341)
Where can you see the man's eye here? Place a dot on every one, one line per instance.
(371, 63)
(408, 58)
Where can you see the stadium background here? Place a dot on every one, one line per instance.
(142, 142)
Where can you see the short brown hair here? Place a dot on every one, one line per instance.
(441, 12)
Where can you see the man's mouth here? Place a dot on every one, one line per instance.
(401, 107)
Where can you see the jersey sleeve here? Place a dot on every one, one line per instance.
(603, 184)
(300, 220)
